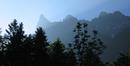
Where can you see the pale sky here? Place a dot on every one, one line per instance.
(28, 11)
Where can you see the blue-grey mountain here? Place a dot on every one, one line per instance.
(113, 29)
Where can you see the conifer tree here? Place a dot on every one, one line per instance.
(87, 47)
(14, 39)
(57, 53)
(40, 48)
(70, 56)
(122, 60)
(2, 56)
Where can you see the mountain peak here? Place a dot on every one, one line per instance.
(42, 17)
(43, 21)
(118, 13)
(103, 14)
(70, 18)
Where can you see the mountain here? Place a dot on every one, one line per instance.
(113, 23)
(62, 29)
(113, 29)
(43, 22)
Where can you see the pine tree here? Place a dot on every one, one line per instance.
(28, 49)
(87, 47)
(123, 60)
(40, 48)
(14, 39)
(70, 56)
(2, 56)
(57, 53)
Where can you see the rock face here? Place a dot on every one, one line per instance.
(113, 28)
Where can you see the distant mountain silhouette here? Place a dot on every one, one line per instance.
(62, 30)
(113, 23)
(43, 22)
(113, 28)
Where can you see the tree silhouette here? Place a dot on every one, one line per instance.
(70, 56)
(40, 48)
(57, 53)
(2, 51)
(123, 60)
(28, 49)
(14, 39)
(87, 47)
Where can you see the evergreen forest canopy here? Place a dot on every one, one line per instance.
(20, 49)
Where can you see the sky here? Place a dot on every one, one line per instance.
(29, 11)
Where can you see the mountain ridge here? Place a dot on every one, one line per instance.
(109, 26)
